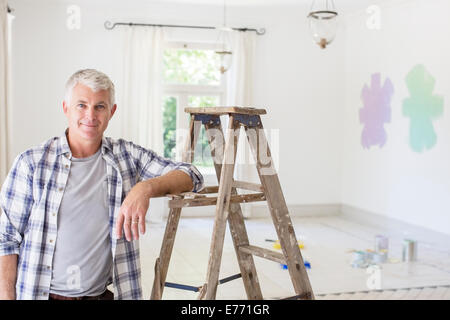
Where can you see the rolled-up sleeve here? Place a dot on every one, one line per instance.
(16, 200)
(154, 165)
(192, 171)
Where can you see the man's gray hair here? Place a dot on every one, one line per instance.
(93, 79)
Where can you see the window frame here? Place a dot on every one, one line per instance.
(181, 92)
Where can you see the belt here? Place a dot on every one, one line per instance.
(107, 295)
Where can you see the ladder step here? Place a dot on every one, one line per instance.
(196, 289)
(236, 184)
(233, 277)
(212, 201)
(186, 195)
(263, 253)
(209, 189)
(181, 286)
(225, 110)
(248, 186)
(215, 189)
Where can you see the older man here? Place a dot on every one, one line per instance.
(68, 202)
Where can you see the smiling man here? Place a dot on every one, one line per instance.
(73, 207)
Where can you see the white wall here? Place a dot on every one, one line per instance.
(394, 180)
(312, 96)
(300, 85)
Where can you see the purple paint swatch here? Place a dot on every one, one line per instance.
(376, 111)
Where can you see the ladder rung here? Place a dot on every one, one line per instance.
(236, 184)
(196, 289)
(248, 186)
(225, 110)
(181, 286)
(184, 195)
(263, 253)
(209, 189)
(174, 196)
(233, 277)
(212, 201)
(193, 195)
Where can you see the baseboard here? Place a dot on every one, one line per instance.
(394, 227)
(369, 217)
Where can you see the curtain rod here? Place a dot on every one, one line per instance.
(109, 25)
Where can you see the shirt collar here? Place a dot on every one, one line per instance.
(106, 145)
(63, 145)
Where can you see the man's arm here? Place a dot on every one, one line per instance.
(135, 205)
(8, 274)
(174, 182)
(16, 200)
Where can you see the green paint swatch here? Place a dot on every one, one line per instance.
(422, 107)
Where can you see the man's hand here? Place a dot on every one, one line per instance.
(134, 207)
(132, 212)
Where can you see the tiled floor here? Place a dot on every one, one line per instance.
(328, 243)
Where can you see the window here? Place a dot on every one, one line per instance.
(191, 79)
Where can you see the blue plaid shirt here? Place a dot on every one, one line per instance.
(31, 195)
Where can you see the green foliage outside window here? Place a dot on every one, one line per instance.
(169, 126)
(191, 67)
(199, 67)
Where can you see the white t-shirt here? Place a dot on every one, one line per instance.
(82, 262)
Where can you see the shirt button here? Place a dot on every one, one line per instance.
(60, 189)
(66, 166)
(54, 214)
(51, 240)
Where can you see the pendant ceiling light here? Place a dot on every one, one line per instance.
(224, 44)
(323, 22)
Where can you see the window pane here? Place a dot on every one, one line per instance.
(204, 101)
(169, 126)
(202, 156)
(184, 66)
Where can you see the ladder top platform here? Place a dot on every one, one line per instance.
(225, 110)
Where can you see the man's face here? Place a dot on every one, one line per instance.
(88, 113)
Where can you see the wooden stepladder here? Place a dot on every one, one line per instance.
(227, 202)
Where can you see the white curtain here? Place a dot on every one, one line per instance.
(141, 92)
(4, 91)
(240, 93)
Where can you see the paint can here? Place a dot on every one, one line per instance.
(409, 250)
(369, 255)
(381, 243)
(380, 256)
(359, 259)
